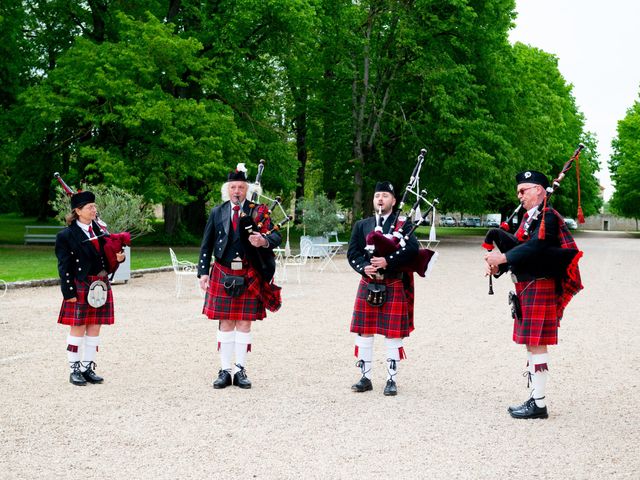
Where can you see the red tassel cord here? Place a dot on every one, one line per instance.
(580, 214)
(401, 353)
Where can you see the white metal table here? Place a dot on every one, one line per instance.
(329, 251)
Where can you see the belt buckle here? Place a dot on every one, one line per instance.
(236, 264)
(102, 273)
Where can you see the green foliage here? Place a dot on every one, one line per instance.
(163, 98)
(319, 215)
(121, 210)
(625, 165)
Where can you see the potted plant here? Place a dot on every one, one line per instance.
(319, 217)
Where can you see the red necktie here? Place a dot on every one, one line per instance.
(520, 232)
(234, 219)
(94, 239)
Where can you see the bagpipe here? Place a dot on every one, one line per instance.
(113, 242)
(378, 244)
(552, 260)
(261, 219)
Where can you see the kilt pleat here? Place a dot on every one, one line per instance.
(392, 319)
(218, 305)
(539, 323)
(81, 313)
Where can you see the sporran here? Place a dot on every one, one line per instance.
(97, 294)
(234, 285)
(376, 294)
(514, 302)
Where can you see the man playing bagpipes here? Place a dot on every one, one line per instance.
(543, 260)
(384, 301)
(239, 283)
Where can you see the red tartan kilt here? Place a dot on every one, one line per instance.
(81, 313)
(391, 319)
(218, 305)
(539, 323)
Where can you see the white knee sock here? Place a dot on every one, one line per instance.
(73, 349)
(395, 352)
(243, 345)
(90, 351)
(226, 341)
(540, 373)
(364, 354)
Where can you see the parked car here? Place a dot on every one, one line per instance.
(571, 223)
(448, 222)
(471, 222)
(492, 224)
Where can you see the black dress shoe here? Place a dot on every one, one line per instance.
(363, 385)
(76, 376)
(529, 409)
(223, 380)
(390, 389)
(90, 376)
(516, 407)
(240, 379)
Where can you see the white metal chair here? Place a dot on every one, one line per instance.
(300, 260)
(183, 268)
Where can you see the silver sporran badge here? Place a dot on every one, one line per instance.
(97, 295)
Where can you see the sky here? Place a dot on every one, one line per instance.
(597, 43)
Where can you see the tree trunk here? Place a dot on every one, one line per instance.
(194, 214)
(301, 147)
(172, 213)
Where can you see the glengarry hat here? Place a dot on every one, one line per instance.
(80, 199)
(531, 176)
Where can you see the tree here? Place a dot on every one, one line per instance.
(109, 113)
(624, 165)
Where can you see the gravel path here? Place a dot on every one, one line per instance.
(156, 415)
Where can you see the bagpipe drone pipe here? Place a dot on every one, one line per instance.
(380, 245)
(551, 261)
(113, 242)
(264, 219)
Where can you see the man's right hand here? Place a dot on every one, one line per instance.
(204, 282)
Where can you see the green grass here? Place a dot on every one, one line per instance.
(33, 262)
(12, 227)
(19, 263)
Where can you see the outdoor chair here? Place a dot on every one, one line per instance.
(300, 260)
(183, 268)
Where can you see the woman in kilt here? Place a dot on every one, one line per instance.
(543, 283)
(81, 262)
(236, 294)
(388, 313)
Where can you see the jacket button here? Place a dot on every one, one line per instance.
(77, 260)
(79, 269)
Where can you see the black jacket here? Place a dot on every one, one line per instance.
(77, 257)
(216, 237)
(539, 258)
(358, 256)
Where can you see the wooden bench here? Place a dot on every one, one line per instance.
(41, 233)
